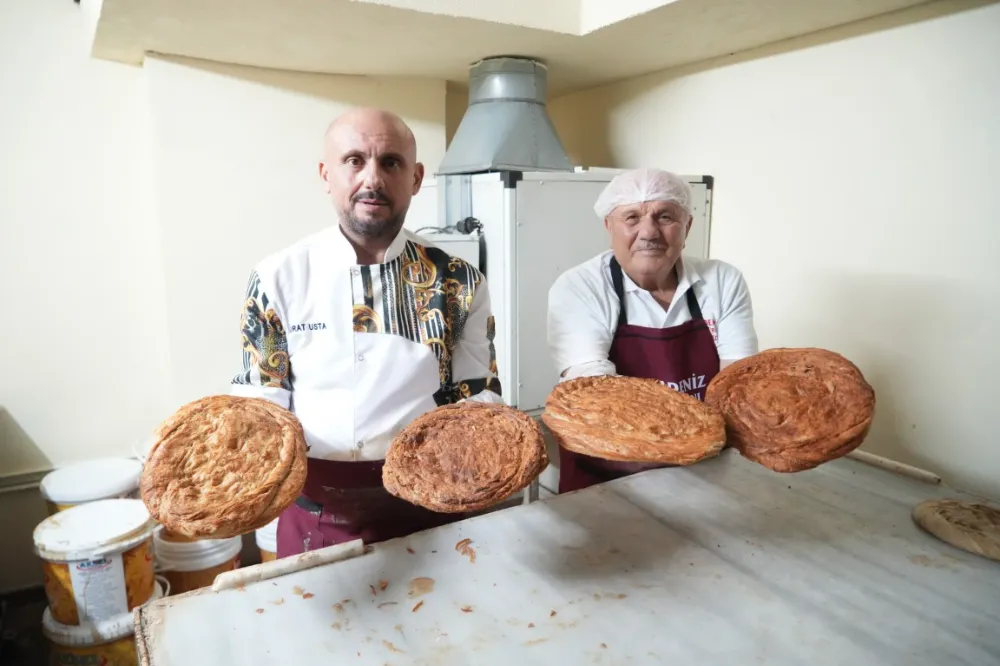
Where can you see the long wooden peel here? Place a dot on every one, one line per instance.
(267, 570)
(894, 466)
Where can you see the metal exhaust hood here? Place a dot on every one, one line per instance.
(506, 127)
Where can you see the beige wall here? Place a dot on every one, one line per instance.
(456, 102)
(133, 203)
(856, 188)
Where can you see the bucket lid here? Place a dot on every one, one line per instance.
(91, 480)
(90, 530)
(90, 632)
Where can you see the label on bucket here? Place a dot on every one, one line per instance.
(99, 587)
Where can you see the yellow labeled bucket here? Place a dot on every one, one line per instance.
(108, 642)
(97, 560)
(192, 564)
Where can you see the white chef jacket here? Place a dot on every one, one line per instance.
(359, 351)
(583, 312)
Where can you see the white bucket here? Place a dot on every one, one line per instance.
(89, 481)
(97, 559)
(110, 642)
(195, 555)
(267, 541)
(190, 565)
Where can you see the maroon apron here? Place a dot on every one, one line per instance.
(684, 357)
(343, 501)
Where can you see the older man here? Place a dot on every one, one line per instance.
(642, 309)
(359, 329)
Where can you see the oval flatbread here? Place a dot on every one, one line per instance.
(464, 457)
(971, 526)
(224, 466)
(633, 419)
(793, 409)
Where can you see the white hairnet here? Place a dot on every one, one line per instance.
(639, 185)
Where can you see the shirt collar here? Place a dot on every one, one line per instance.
(344, 251)
(687, 276)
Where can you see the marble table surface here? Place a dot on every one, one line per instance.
(723, 562)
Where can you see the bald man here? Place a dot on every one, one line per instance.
(359, 329)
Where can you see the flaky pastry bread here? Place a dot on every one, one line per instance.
(632, 419)
(224, 466)
(792, 409)
(464, 457)
(971, 526)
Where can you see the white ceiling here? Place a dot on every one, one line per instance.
(584, 42)
(572, 17)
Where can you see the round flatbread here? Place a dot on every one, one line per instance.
(633, 419)
(224, 466)
(793, 409)
(464, 457)
(971, 526)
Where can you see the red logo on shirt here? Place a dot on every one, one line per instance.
(711, 327)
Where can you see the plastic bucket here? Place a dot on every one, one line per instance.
(190, 565)
(89, 481)
(108, 642)
(267, 541)
(97, 559)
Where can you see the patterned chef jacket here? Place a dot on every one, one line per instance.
(357, 352)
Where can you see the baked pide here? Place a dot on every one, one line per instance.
(223, 466)
(464, 457)
(792, 409)
(632, 419)
(972, 526)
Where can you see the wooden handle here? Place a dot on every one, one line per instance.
(893, 466)
(287, 565)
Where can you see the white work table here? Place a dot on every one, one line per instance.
(723, 562)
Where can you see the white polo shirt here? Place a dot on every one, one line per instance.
(583, 312)
(359, 351)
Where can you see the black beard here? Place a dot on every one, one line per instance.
(372, 228)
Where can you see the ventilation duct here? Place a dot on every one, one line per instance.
(506, 127)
